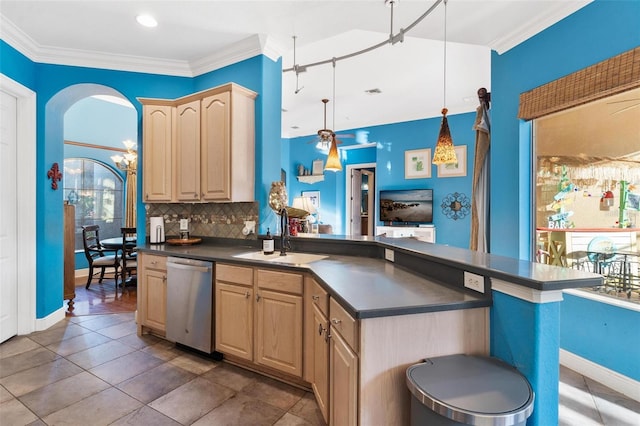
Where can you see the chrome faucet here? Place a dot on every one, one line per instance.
(284, 233)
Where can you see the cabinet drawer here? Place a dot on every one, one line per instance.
(234, 274)
(343, 323)
(280, 281)
(320, 297)
(151, 261)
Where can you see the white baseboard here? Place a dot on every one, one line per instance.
(49, 320)
(82, 273)
(616, 381)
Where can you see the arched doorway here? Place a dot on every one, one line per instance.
(49, 202)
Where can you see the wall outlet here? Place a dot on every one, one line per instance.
(474, 282)
(389, 255)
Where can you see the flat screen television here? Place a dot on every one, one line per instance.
(406, 206)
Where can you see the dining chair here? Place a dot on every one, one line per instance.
(128, 256)
(98, 256)
(601, 251)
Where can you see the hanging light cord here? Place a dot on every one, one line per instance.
(392, 39)
(444, 90)
(334, 94)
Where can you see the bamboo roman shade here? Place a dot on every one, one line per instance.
(606, 78)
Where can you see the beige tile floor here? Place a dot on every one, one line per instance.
(95, 370)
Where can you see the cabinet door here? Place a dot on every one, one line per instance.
(343, 381)
(157, 141)
(154, 299)
(234, 320)
(188, 151)
(215, 147)
(320, 383)
(278, 328)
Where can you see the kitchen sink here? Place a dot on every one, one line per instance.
(290, 258)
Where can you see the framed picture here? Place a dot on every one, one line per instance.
(417, 164)
(457, 169)
(317, 168)
(314, 196)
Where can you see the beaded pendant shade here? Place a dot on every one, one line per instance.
(445, 152)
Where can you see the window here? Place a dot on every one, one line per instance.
(96, 191)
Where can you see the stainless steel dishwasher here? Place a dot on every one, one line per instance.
(190, 303)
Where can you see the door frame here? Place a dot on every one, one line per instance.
(347, 198)
(26, 201)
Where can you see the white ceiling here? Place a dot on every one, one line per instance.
(194, 37)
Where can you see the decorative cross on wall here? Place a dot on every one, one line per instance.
(55, 176)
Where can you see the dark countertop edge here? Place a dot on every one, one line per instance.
(480, 301)
(588, 279)
(555, 277)
(377, 313)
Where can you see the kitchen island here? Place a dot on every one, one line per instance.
(415, 305)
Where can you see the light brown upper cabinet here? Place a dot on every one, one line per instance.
(157, 127)
(212, 145)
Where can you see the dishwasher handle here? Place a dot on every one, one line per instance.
(189, 264)
(189, 267)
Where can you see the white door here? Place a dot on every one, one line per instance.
(371, 192)
(8, 218)
(356, 202)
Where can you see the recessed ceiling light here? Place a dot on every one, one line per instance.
(373, 91)
(295, 127)
(147, 21)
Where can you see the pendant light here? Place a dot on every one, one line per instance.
(333, 159)
(444, 152)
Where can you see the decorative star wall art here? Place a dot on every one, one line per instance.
(456, 206)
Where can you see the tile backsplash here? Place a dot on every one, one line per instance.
(222, 220)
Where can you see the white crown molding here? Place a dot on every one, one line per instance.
(17, 38)
(559, 10)
(244, 49)
(257, 44)
(81, 58)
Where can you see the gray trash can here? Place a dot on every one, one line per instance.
(468, 390)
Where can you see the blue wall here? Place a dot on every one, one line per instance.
(393, 140)
(598, 31)
(602, 333)
(594, 33)
(99, 122)
(58, 88)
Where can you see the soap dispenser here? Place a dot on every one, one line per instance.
(267, 243)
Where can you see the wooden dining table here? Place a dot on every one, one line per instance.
(116, 244)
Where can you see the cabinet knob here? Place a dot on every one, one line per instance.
(257, 297)
(336, 320)
(195, 195)
(320, 329)
(164, 278)
(246, 295)
(327, 337)
(315, 298)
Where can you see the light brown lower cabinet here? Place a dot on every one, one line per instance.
(152, 293)
(343, 379)
(259, 316)
(320, 384)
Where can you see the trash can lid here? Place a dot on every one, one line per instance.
(472, 389)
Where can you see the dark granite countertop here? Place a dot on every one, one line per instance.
(424, 278)
(366, 287)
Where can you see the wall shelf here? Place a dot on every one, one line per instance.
(311, 178)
